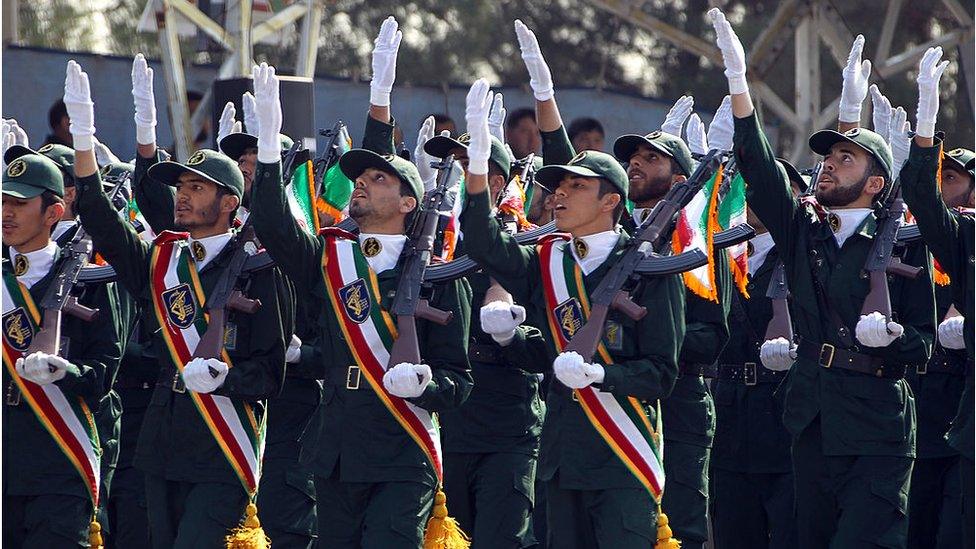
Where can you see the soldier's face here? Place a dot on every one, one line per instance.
(198, 204)
(844, 178)
(26, 223)
(376, 198)
(577, 204)
(247, 164)
(524, 138)
(592, 140)
(650, 174)
(957, 187)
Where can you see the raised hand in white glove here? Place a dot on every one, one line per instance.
(499, 319)
(929, 73)
(250, 116)
(145, 101)
(267, 109)
(294, 351)
(874, 330)
(20, 136)
(574, 372)
(42, 368)
(407, 380)
(198, 374)
(951, 333)
(81, 110)
(477, 107)
(7, 138)
(421, 158)
(540, 77)
(677, 115)
(496, 118)
(722, 127)
(695, 135)
(881, 113)
(384, 62)
(103, 155)
(732, 53)
(777, 354)
(901, 139)
(228, 122)
(855, 88)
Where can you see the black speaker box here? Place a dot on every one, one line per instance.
(297, 105)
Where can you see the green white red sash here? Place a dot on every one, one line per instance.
(355, 297)
(178, 301)
(622, 422)
(68, 419)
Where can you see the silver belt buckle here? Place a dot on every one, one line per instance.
(353, 377)
(178, 386)
(750, 375)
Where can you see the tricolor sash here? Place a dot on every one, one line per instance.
(622, 422)
(178, 300)
(368, 328)
(68, 419)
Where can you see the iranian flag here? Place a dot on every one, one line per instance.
(333, 198)
(513, 203)
(696, 227)
(301, 192)
(732, 212)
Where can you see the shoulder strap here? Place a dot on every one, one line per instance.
(840, 328)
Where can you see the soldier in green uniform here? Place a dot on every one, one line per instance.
(51, 449)
(949, 235)
(64, 157)
(751, 471)
(195, 490)
(593, 500)
(374, 483)
(847, 406)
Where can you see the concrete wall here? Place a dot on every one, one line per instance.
(34, 78)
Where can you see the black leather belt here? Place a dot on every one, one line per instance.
(132, 384)
(350, 377)
(486, 353)
(942, 363)
(693, 369)
(828, 356)
(750, 373)
(173, 381)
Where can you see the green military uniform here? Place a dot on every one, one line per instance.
(192, 492)
(853, 432)
(593, 499)
(374, 485)
(950, 237)
(46, 503)
(751, 471)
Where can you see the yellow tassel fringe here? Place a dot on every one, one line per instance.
(248, 535)
(665, 539)
(443, 531)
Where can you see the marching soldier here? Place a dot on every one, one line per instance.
(64, 158)
(54, 397)
(194, 447)
(949, 234)
(847, 406)
(374, 475)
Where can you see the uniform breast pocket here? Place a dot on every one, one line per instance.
(237, 337)
(873, 409)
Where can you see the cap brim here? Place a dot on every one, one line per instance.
(625, 146)
(961, 165)
(793, 174)
(550, 176)
(169, 172)
(21, 190)
(353, 163)
(822, 141)
(235, 144)
(440, 146)
(15, 152)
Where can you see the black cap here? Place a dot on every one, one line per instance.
(234, 145)
(208, 164)
(440, 146)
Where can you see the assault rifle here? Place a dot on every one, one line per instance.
(780, 325)
(329, 156)
(653, 237)
(408, 304)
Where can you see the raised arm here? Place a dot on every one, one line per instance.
(378, 136)
(855, 87)
(156, 201)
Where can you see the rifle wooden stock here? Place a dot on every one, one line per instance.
(406, 348)
(587, 339)
(426, 312)
(48, 337)
(242, 304)
(780, 325)
(623, 303)
(878, 299)
(77, 310)
(896, 267)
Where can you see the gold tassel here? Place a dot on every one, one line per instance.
(248, 535)
(95, 534)
(443, 531)
(665, 539)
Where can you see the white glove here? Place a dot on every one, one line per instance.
(874, 330)
(421, 158)
(407, 380)
(732, 53)
(20, 136)
(901, 139)
(881, 113)
(721, 128)
(951, 333)
(384, 63)
(81, 110)
(540, 77)
(7, 140)
(499, 320)
(198, 378)
(677, 115)
(267, 110)
(144, 100)
(477, 107)
(227, 121)
(574, 372)
(294, 351)
(929, 73)
(695, 135)
(250, 116)
(496, 118)
(103, 155)
(777, 354)
(37, 367)
(855, 87)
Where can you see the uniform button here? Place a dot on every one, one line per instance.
(611, 388)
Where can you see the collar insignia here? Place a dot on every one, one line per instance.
(371, 247)
(834, 221)
(21, 265)
(198, 250)
(580, 247)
